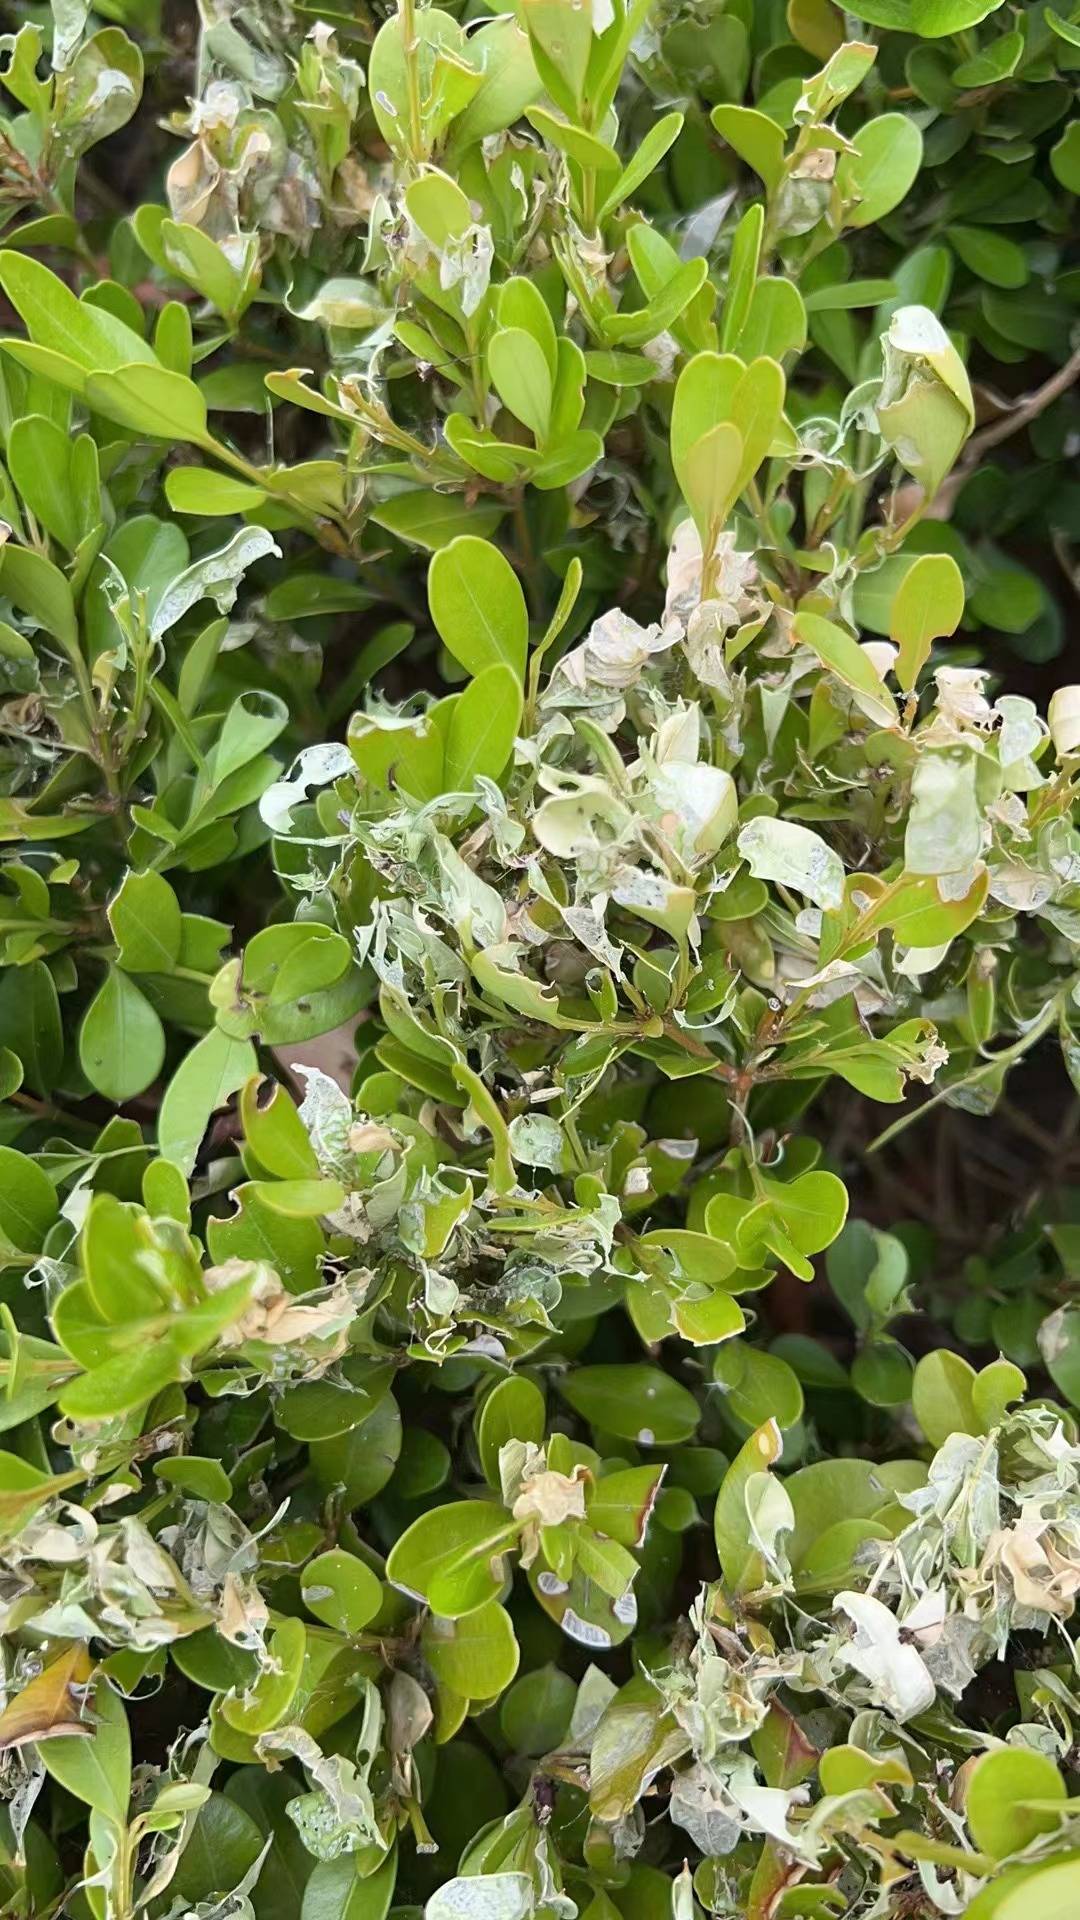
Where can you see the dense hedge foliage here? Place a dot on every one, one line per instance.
(531, 551)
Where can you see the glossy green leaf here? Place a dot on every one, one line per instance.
(121, 1039)
(478, 606)
(339, 1589)
(636, 1403)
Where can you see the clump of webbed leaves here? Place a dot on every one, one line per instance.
(452, 1454)
(395, 1612)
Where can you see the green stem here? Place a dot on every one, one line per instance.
(101, 745)
(1006, 1058)
(316, 525)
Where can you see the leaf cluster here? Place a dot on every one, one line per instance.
(516, 793)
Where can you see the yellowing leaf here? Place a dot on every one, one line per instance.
(50, 1704)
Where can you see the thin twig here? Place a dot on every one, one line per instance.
(1021, 415)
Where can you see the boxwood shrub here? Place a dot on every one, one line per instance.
(539, 961)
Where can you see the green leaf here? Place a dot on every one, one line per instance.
(199, 490)
(523, 308)
(28, 1202)
(849, 293)
(1001, 1788)
(942, 1396)
(742, 273)
(359, 1463)
(478, 606)
(508, 82)
(615, 369)
(724, 419)
(339, 1589)
(205, 1479)
(824, 1497)
(223, 1846)
(620, 1504)
(309, 596)
(662, 135)
(121, 1039)
(173, 337)
(476, 1657)
(881, 1374)
(428, 519)
(255, 719)
(740, 1561)
(213, 1070)
(30, 1023)
(930, 19)
(993, 256)
(39, 589)
(710, 478)
(483, 727)
(1055, 1885)
(336, 1890)
(388, 71)
(276, 1134)
(704, 396)
(439, 207)
(535, 1712)
(513, 1410)
(252, 1231)
(929, 606)
(580, 146)
(266, 1702)
(1007, 597)
(522, 378)
(877, 176)
(757, 1386)
(150, 402)
(844, 657)
(995, 1387)
(116, 1239)
(39, 461)
(202, 263)
(932, 414)
(453, 1557)
(756, 409)
(637, 1403)
(562, 38)
(998, 60)
(124, 1383)
(85, 339)
(1065, 158)
(756, 139)
(814, 1206)
(97, 1771)
(919, 916)
(775, 323)
(147, 924)
(662, 310)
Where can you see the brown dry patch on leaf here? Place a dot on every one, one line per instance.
(49, 1706)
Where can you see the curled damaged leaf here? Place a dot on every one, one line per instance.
(793, 856)
(895, 1672)
(494, 1896)
(51, 1704)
